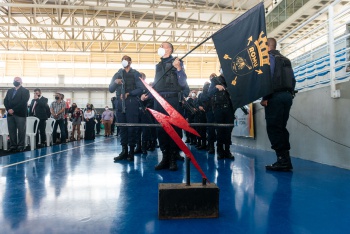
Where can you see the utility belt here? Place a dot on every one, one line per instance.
(283, 90)
(119, 97)
(226, 105)
(169, 95)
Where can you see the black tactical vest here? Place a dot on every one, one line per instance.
(169, 82)
(283, 78)
(221, 97)
(205, 98)
(129, 78)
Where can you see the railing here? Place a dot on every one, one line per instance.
(281, 11)
(324, 60)
(317, 73)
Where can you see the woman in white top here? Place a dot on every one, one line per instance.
(89, 116)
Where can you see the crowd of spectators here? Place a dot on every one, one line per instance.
(69, 121)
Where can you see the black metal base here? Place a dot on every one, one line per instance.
(179, 201)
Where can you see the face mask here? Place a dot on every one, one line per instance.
(16, 83)
(74, 106)
(221, 72)
(39, 95)
(106, 108)
(193, 95)
(161, 52)
(57, 98)
(125, 63)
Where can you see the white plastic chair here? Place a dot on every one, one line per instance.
(82, 129)
(4, 133)
(50, 122)
(31, 131)
(70, 128)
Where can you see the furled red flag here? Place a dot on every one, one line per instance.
(243, 53)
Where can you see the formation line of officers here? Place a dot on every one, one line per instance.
(213, 105)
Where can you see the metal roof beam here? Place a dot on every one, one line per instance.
(119, 8)
(106, 27)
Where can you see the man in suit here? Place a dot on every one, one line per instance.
(15, 102)
(38, 108)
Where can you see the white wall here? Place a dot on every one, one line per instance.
(319, 127)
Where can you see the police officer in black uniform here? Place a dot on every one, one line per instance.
(190, 113)
(223, 114)
(152, 143)
(207, 106)
(169, 87)
(277, 107)
(129, 80)
(145, 133)
(114, 106)
(201, 118)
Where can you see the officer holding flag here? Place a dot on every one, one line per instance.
(170, 80)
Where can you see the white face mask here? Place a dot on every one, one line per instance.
(193, 95)
(161, 52)
(106, 108)
(221, 71)
(125, 63)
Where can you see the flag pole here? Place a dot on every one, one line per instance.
(181, 60)
(205, 40)
(196, 47)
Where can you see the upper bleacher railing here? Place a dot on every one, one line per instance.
(317, 62)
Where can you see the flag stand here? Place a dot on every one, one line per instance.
(186, 200)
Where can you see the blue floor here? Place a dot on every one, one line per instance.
(76, 188)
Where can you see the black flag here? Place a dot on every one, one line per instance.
(243, 53)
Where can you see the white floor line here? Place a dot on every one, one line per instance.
(46, 155)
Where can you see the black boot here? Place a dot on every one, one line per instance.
(207, 148)
(220, 151)
(199, 144)
(123, 154)
(152, 146)
(164, 164)
(173, 164)
(211, 148)
(283, 163)
(203, 146)
(138, 148)
(179, 157)
(144, 147)
(193, 142)
(228, 153)
(131, 154)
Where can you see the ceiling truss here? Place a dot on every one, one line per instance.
(105, 26)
